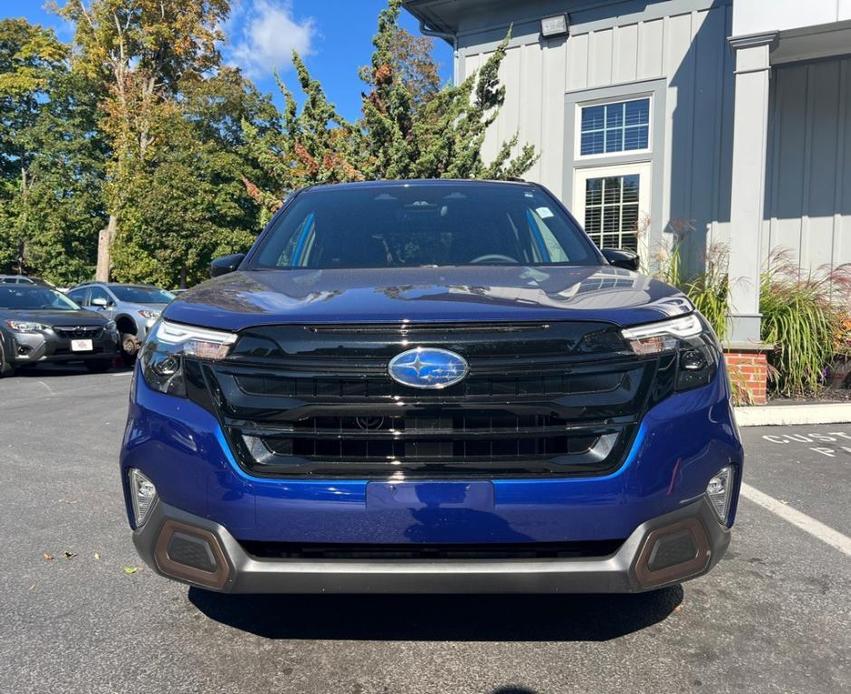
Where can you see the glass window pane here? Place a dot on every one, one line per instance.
(611, 241)
(635, 138)
(613, 190)
(614, 140)
(592, 220)
(592, 143)
(637, 112)
(593, 117)
(629, 218)
(630, 188)
(629, 242)
(594, 191)
(611, 218)
(614, 116)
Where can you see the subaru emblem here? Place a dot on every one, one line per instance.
(427, 367)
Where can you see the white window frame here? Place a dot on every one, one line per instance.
(577, 154)
(645, 172)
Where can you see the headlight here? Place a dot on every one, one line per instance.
(149, 315)
(111, 327)
(167, 345)
(23, 326)
(689, 338)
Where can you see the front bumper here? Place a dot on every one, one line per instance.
(677, 546)
(38, 348)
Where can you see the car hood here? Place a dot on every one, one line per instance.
(48, 317)
(266, 297)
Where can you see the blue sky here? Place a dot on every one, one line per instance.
(334, 36)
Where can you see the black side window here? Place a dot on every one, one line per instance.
(79, 296)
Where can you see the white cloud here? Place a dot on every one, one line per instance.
(264, 33)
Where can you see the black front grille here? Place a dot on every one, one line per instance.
(432, 552)
(79, 332)
(552, 400)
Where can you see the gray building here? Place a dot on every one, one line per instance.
(717, 122)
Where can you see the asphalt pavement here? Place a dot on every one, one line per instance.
(80, 613)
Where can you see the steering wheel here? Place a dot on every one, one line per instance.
(494, 258)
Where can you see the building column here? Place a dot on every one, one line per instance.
(750, 142)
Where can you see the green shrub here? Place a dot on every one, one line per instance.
(801, 318)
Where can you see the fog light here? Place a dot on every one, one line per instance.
(143, 493)
(719, 490)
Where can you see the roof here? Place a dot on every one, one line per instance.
(424, 182)
(459, 16)
(442, 15)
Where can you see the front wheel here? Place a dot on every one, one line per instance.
(129, 347)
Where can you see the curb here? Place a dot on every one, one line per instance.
(779, 415)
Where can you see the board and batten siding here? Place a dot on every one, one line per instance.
(686, 47)
(808, 191)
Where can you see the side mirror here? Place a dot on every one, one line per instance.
(226, 264)
(628, 260)
(100, 302)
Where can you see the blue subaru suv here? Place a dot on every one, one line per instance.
(430, 386)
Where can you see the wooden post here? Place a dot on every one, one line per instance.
(105, 239)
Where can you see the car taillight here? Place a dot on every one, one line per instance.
(168, 343)
(689, 337)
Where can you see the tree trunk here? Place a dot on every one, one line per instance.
(105, 239)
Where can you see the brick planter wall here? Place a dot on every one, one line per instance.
(749, 374)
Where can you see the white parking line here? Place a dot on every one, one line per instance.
(810, 525)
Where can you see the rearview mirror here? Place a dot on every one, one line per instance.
(100, 302)
(226, 264)
(628, 260)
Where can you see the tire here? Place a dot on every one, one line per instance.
(5, 368)
(98, 367)
(129, 348)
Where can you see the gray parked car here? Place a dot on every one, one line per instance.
(15, 279)
(134, 308)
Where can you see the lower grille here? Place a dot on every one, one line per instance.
(544, 550)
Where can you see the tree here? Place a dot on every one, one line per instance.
(188, 198)
(51, 159)
(439, 136)
(309, 146)
(410, 127)
(140, 52)
(412, 61)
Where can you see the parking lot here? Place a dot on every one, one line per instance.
(79, 612)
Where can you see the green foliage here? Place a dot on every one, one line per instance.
(138, 128)
(410, 127)
(441, 135)
(708, 290)
(51, 159)
(186, 202)
(801, 317)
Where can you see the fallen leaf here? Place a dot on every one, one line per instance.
(130, 569)
(47, 557)
(70, 555)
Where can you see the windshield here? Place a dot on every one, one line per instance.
(27, 297)
(409, 225)
(141, 295)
